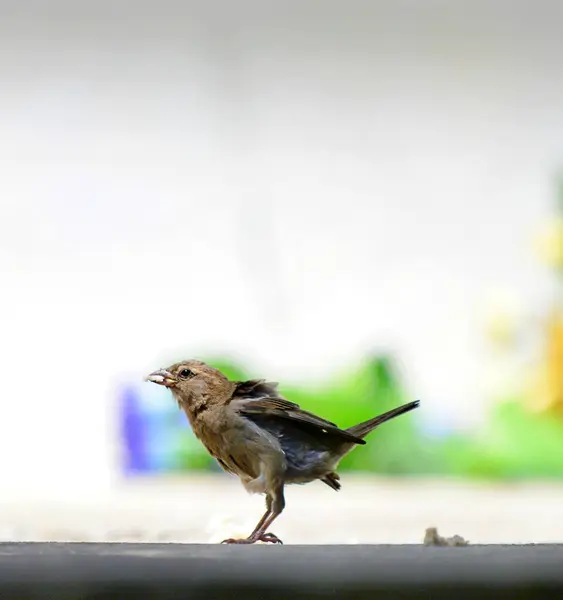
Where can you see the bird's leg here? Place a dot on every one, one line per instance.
(274, 508)
(252, 537)
(261, 522)
(260, 533)
(260, 530)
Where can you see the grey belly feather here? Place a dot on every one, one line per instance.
(310, 454)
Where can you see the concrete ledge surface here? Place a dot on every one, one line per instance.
(82, 571)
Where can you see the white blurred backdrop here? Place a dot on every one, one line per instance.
(293, 182)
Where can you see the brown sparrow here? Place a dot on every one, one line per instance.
(255, 433)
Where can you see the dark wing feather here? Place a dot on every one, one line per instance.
(258, 397)
(255, 388)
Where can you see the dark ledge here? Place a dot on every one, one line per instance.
(86, 571)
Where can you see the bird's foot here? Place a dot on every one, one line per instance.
(265, 537)
(238, 541)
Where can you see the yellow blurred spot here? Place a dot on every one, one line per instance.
(549, 243)
(547, 382)
(501, 320)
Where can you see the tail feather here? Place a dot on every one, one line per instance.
(362, 429)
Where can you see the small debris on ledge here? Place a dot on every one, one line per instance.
(432, 538)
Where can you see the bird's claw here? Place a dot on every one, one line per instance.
(265, 537)
(271, 538)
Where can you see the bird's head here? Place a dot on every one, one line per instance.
(194, 384)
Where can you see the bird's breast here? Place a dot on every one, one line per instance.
(233, 442)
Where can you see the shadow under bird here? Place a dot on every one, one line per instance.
(255, 433)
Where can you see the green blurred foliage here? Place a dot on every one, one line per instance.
(192, 455)
(514, 444)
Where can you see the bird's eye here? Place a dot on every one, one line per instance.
(185, 373)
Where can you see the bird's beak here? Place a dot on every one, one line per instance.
(162, 377)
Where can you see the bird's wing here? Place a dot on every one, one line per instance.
(261, 398)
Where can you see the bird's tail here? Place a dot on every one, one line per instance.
(362, 429)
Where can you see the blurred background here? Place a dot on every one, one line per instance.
(361, 200)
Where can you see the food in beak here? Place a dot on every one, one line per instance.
(162, 377)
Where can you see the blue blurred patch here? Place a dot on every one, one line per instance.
(152, 429)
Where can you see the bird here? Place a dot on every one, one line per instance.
(254, 432)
